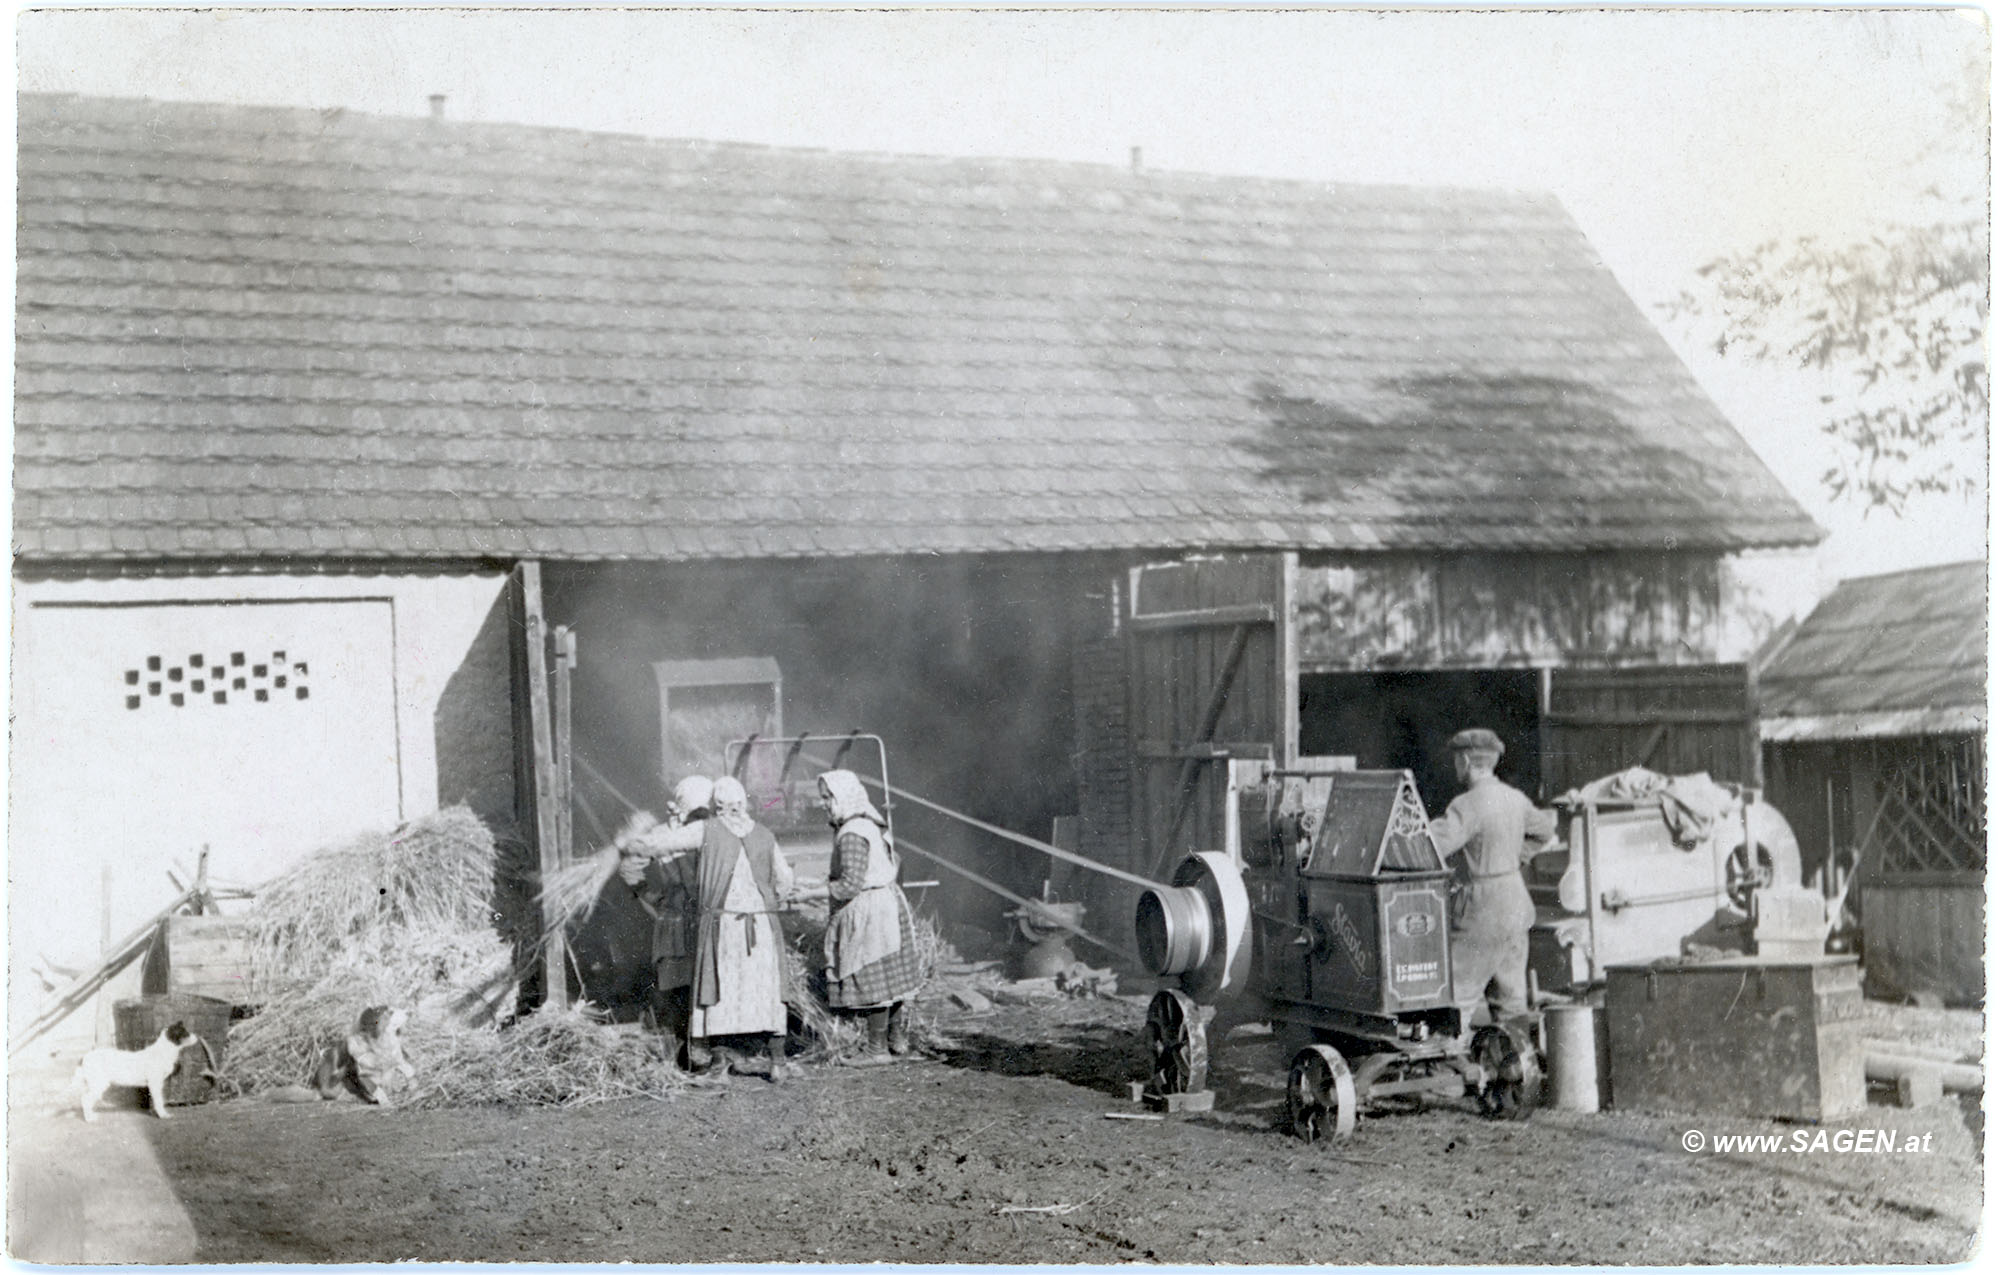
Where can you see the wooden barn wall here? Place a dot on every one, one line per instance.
(1925, 936)
(1403, 611)
(1678, 721)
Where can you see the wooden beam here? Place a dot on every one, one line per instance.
(1214, 617)
(1286, 627)
(1212, 750)
(1656, 717)
(541, 763)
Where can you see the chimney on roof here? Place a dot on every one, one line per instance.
(1138, 160)
(437, 106)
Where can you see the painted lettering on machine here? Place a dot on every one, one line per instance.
(1415, 922)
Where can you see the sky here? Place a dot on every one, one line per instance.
(1672, 136)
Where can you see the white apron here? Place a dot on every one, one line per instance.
(748, 967)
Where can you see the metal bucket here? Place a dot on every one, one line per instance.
(1573, 1072)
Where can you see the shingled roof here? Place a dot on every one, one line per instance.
(270, 333)
(1897, 654)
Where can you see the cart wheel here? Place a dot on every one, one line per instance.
(1513, 1087)
(1176, 1043)
(1320, 1094)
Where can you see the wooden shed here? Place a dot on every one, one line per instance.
(1066, 480)
(1874, 729)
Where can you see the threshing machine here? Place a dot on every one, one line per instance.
(1326, 913)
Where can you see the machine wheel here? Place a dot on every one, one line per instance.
(1767, 854)
(1320, 1094)
(1176, 1043)
(1513, 1087)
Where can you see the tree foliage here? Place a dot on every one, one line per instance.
(1901, 317)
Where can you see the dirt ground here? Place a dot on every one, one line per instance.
(999, 1147)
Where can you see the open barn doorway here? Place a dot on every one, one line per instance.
(1406, 721)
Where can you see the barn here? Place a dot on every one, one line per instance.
(1874, 727)
(1063, 481)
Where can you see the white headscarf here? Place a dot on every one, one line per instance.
(847, 799)
(693, 794)
(732, 805)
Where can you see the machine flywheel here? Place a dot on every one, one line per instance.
(1176, 1044)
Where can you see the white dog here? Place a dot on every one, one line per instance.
(146, 1069)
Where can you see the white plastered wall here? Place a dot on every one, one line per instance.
(112, 784)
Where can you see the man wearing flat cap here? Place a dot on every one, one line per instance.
(1486, 834)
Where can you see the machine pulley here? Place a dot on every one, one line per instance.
(1198, 928)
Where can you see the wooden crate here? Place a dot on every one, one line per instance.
(202, 956)
(1738, 1037)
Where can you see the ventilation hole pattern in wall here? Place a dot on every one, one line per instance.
(235, 678)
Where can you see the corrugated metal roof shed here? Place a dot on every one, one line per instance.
(1897, 654)
(261, 332)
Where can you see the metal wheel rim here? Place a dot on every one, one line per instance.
(1513, 1086)
(1176, 1044)
(1320, 1095)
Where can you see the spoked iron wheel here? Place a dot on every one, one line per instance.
(1513, 1087)
(1176, 1043)
(1320, 1094)
(1750, 868)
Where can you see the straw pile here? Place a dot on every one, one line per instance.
(409, 920)
(830, 1036)
(552, 1058)
(414, 919)
(405, 920)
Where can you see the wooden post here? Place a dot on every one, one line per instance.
(541, 759)
(565, 784)
(1543, 693)
(1287, 622)
(1753, 729)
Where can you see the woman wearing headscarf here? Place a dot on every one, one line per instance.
(667, 886)
(871, 955)
(740, 881)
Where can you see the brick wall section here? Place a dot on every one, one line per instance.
(1104, 797)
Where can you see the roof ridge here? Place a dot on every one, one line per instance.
(1520, 194)
(1910, 571)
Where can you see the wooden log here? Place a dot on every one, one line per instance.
(1951, 1077)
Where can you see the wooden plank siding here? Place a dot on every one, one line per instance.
(1677, 721)
(1195, 625)
(1405, 611)
(1925, 936)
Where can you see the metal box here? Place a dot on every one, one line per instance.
(1377, 900)
(1738, 1037)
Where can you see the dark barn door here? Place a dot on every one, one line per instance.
(1209, 681)
(1672, 720)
